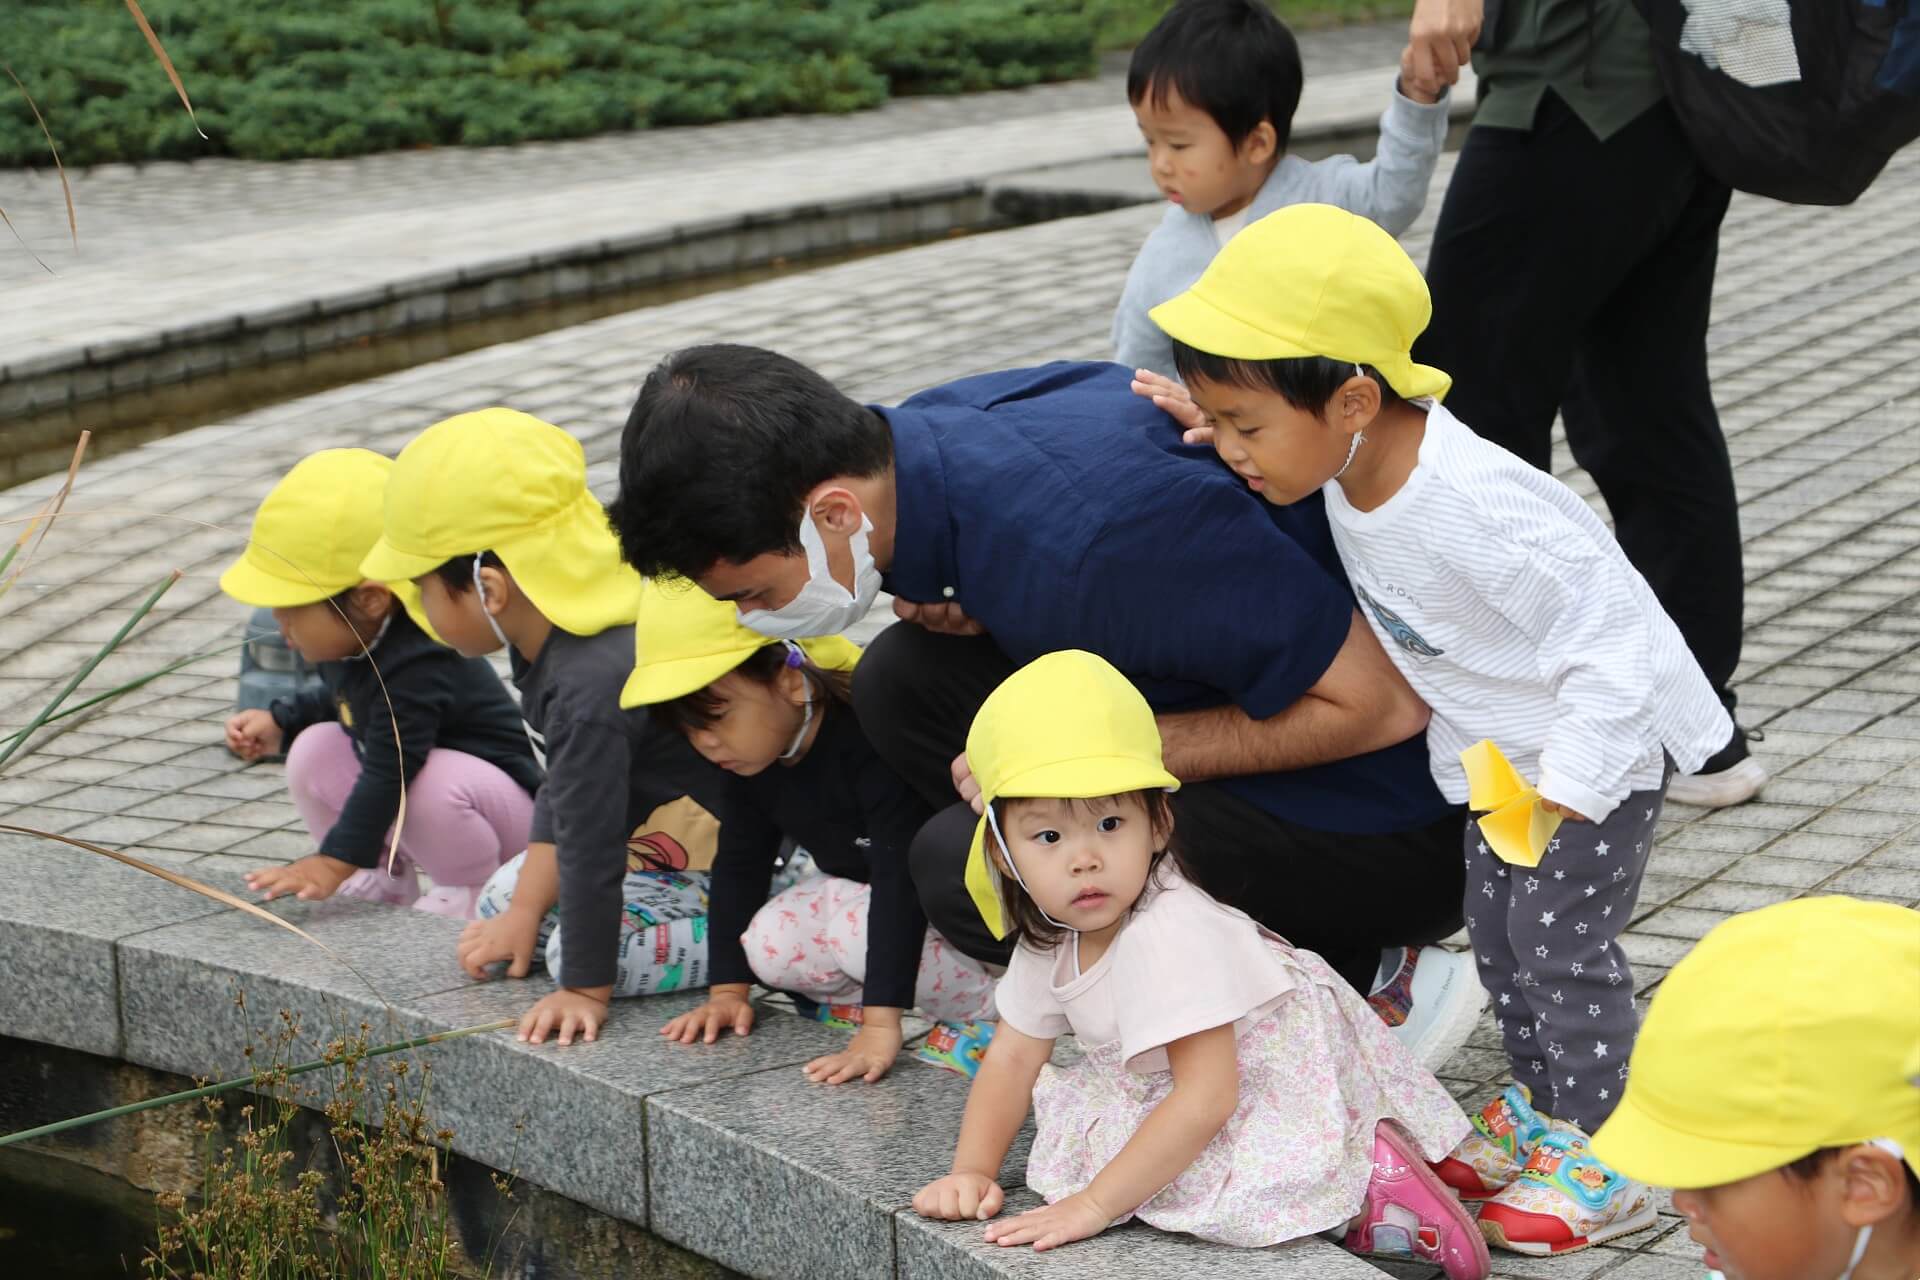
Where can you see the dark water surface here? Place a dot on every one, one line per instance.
(62, 1221)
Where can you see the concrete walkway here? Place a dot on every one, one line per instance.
(1817, 367)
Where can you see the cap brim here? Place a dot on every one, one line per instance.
(387, 563)
(664, 681)
(1195, 322)
(1649, 1150)
(252, 586)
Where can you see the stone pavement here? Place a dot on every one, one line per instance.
(1817, 370)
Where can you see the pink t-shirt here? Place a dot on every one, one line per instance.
(1181, 964)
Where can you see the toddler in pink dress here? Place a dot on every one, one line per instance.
(1232, 1086)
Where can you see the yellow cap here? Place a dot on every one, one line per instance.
(1311, 280)
(501, 481)
(1065, 726)
(1785, 1030)
(684, 640)
(311, 533)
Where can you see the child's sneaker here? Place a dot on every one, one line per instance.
(957, 1046)
(1409, 1213)
(373, 884)
(1489, 1159)
(1565, 1200)
(847, 1017)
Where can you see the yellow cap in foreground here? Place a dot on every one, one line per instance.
(684, 640)
(312, 531)
(1065, 726)
(1311, 280)
(1785, 1030)
(502, 481)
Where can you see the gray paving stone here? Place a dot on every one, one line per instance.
(63, 912)
(100, 799)
(1819, 847)
(1789, 872)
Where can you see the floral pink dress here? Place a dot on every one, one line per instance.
(1318, 1070)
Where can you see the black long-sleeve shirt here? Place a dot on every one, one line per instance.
(848, 809)
(439, 699)
(607, 769)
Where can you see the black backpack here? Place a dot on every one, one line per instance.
(1800, 100)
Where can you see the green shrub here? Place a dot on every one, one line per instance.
(275, 79)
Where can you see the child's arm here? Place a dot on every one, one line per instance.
(742, 876)
(1206, 1090)
(512, 935)
(996, 1108)
(309, 706)
(1391, 188)
(1138, 342)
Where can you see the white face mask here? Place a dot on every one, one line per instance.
(823, 607)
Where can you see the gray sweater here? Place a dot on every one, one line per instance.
(1391, 189)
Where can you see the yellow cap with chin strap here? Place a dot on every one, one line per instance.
(684, 640)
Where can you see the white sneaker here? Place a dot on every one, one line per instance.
(1433, 1003)
(1736, 784)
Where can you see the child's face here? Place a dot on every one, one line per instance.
(318, 632)
(1194, 164)
(1084, 862)
(1773, 1226)
(753, 723)
(456, 617)
(1283, 453)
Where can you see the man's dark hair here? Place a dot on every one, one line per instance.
(722, 448)
(1230, 58)
(1307, 382)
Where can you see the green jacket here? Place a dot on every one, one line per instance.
(1595, 54)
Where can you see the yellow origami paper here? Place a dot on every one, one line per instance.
(1516, 824)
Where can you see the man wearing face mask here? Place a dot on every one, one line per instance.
(1051, 508)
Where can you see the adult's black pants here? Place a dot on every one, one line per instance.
(1347, 897)
(1575, 275)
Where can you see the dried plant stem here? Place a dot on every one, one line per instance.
(241, 1082)
(46, 713)
(42, 520)
(129, 686)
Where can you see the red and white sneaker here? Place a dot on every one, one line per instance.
(1409, 1213)
(1565, 1200)
(1489, 1159)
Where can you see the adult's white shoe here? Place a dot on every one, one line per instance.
(1432, 1003)
(1732, 776)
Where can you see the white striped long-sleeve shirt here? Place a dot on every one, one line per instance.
(1512, 611)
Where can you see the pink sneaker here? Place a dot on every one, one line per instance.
(462, 903)
(375, 885)
(1410, 1213)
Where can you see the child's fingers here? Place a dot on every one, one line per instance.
(743, 1020)
(533, 1025)
(991, 1199)
(522, 960)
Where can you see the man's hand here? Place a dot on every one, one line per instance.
(965, 783)
(310, 879)
(565, 1013)
(1075, 1218)
(252, 734)
(869, 1055)
(960, 1197)
(727, 1006)
(1177, 402)
(1440, 39)
(509, 936)
(947, 618)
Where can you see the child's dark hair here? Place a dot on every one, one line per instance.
(1305, 382)
(1808, 1167)
(364, 625)
(1024, 920)
(699, 709)
(1230, 58)
(456, 575)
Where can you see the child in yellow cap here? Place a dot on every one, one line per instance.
(1517, 618)
(1232, 1086)
(1776, 1088)
(490, 515)
(397, 711)
(774, 716)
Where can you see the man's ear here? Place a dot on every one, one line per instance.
(1262, 145)
(835, 509)
(1874, 1189)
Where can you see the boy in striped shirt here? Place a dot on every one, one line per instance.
(1512, 611)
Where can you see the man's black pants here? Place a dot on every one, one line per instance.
(1347, 897)
(1575, 275)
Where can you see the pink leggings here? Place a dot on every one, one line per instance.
(464, 818)
(812, 939)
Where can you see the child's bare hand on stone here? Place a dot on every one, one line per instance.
(1075, 1218)
(310, 879)
(727, 1006)
(510, 936)
(960, 1197)
(1177, 402)
(566, 1013)
(868, 1056)
(252, 734)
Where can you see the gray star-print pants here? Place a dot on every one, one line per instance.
(1546, 937)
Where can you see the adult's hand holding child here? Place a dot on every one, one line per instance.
(1440, 39)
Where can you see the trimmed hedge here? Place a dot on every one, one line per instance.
(278, 80)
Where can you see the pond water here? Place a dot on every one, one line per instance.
(62, 1221)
